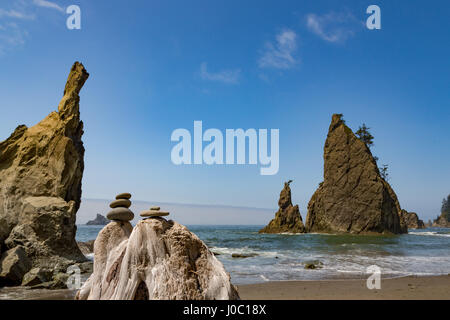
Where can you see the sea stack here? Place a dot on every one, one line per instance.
(120, 211)
(287, 218)
(41, 168)
(443, 221)
(155, 260)
(353, 198)
(99, 220)
(412, 220)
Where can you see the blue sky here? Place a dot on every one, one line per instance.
(159, 65)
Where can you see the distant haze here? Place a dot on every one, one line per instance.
(189, 214)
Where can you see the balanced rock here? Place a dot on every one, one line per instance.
(124, 195)
(122, 203)
(412, 220)
(40, 172)
(120, 211)
(153, 212)
(155, 260)
(98, 221)
(120, 214)
(287, 218)
(353, 197)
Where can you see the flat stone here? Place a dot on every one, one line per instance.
(155, 208)
(120, 214)
(241, 255)
(124, 195)
(153, 213)
(124, 203)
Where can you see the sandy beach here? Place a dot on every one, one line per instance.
(406, 288)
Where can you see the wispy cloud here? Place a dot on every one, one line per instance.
(11, 35)
(225, 76)
(15, 14)
(13, 21)
(48, 4)
(333, 27)
(280, 55)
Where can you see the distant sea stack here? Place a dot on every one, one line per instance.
(444, 219)
(98, 221)
(287, 218)
(40, 192)
(353, 198)
(412, 220)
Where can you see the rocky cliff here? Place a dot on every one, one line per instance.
(287, 218)
(353, 197)
(412, 220)
(40, 182)
(157, 260)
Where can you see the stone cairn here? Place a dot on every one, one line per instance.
(153, 213)
(120, 211)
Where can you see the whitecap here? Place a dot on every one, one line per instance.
(430, 233)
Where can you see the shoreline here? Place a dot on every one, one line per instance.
(399, 288)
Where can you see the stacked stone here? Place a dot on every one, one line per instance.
(153, 213)
(120, 211)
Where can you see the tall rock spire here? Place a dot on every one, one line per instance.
(41, 169)
(353, 197)
(287, 218)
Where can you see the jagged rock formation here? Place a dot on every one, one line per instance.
(40, 182)
(441, 221)
(287, 218)
(353, 197)
(14, 264)
(98, 221)
(157, 260)
(412, 220)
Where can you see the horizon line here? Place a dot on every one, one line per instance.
(187, 204)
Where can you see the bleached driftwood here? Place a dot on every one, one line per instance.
(158, 259)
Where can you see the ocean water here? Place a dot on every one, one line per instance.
(283, 256)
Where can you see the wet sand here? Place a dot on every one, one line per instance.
(25, 293)
(406, 288)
